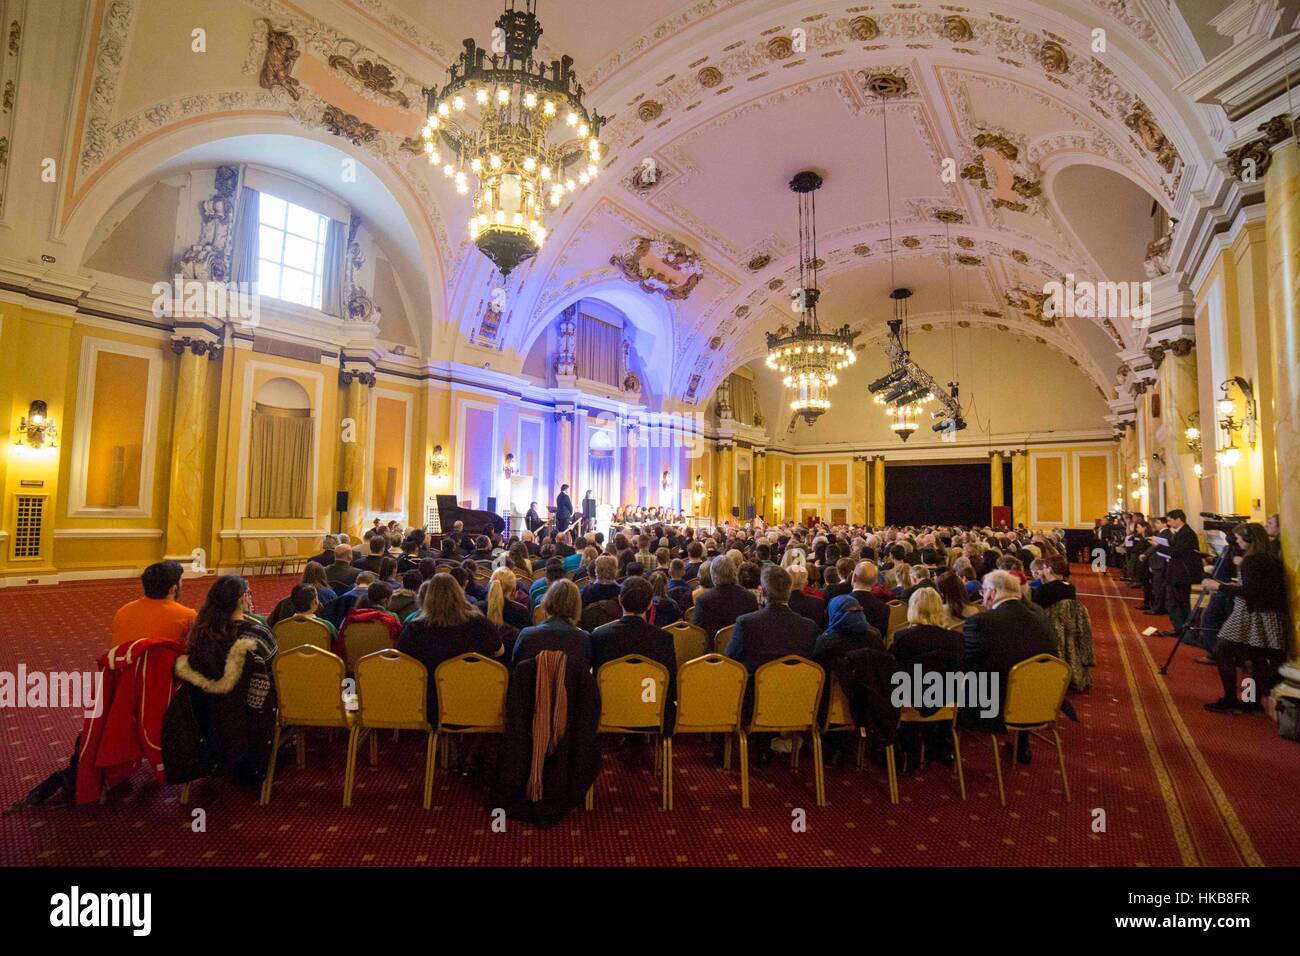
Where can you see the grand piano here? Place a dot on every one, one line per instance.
(475, 522)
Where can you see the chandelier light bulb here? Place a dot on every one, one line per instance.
(481, 95)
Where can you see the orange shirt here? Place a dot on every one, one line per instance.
(152, 617)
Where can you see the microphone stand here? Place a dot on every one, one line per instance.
(1198, 612)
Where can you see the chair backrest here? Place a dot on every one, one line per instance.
(633, 691)
(690, 615)
(442, 569)
(710, 690)
(839, 716)
(289, 547)
(722, 639)
(786, 693)
(250, 548)
(362, 638)
(539, 614)
(392, 691)
(472, 692)
(689, 641)
(1035, 688)
(309, 687)
(296, 631)
(273, 547)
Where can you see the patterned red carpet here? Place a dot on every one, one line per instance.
(1177, 785)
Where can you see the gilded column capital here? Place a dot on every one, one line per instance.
(349, 375)
(196, 346)
(1255, 156)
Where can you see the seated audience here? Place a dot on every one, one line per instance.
(865, 575)
(501, 604)
(370, 608)
(633, 634)
(1054, 586)
(341, 574)
(726, 601)
(605, 587)
(804, 599)
(663, 609)
(956, 606)
(562, 606)
(403, 602)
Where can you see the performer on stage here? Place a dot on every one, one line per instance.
(563, 510)
(532, 520)
(588, 512)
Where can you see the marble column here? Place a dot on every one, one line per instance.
(761, 504)
(878, 490)
(627, 467)
(189, 476)
(996, 492)
(356, 385)
(563, 469)
(1179, 394)
(1020, 487)
(859, 490)
(725, 484)
(1282, 223)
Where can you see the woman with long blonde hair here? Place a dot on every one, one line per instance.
(501, 605)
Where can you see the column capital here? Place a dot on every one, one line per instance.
(349, 375)
(198, 344)
(1250, 161)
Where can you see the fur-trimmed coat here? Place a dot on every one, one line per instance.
(222, 723)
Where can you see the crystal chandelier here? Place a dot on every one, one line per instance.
(808, 357)
(497, 116)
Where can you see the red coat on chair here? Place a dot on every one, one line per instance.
(127, 727)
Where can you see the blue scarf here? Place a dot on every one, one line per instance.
(846, 616)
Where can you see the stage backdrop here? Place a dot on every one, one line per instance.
(938, 494)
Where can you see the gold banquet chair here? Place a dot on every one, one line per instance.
(787, 692)
(689, 641)
(710, 694)
(1035, 689)
(910, 715)
(722, 639)
(392, 694)
(362, 638)
(897, 620)
(839, 718)
(309, 687)
(296, 631)
(471, 699)
(625, 710)
(689, 616)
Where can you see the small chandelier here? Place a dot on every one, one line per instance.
(37, 428)
(808, 357)
(518, 165)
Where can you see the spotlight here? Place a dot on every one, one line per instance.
(887, 380)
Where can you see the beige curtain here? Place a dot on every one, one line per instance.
(742, 399)
(280, 463)
(600, 351)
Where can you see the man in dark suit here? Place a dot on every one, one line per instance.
(720, 605)
(1183, 567)
(1011, 630)
(876, 610)
(678, 589)
(341, 574)
(563, 509)
(632, 634)
(805, 605)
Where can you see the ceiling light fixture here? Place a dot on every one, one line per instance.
(518, 165)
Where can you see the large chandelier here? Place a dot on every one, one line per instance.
(497, 115)
(808, 357)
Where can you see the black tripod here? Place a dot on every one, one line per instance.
(1198, 612)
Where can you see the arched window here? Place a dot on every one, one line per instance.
(280, 452)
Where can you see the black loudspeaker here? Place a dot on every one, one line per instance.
(492, 505)
(341, 501)
(735, 512)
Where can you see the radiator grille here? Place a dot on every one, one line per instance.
(29, 518)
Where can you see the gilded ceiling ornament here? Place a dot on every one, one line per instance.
(709, 77)
(1153, 139)
(968, 260)
(373, 76)
(863, 28)
(645, 177)
(760, 261)
(281, 54)
(1013, 206)
(15, 37)
(741, 311)
(352, 128)
(776, 284)
(963, 323)
(957, 29)
(976, 172)
(1028, 188)
(999, 144)
(649, 110)
(1030, 303)
(9, 96)
(780, 47)
(1053, 57)
(911, 242)
(1258, 153)
(949, 215)
(862, 249)
(965, 242)
(660, 264)
(887, 86)
(715, 343)
(1019, 256)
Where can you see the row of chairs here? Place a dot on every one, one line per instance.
(391, 694)
(262, 555)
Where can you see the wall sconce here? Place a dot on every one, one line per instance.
(438, 462)
(509, 468)
(1227, 409)
(1229, 457)
(1142, 472)
(37, 429)
(1158, 457)
(1198, 470)
(666, 480)
(699, 488)
(777, 497)
(1192, 434)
